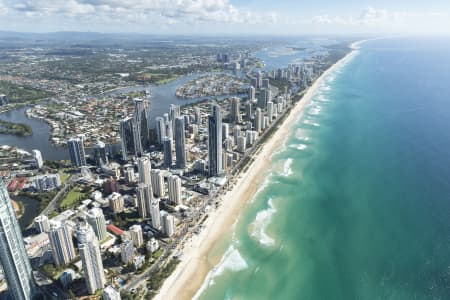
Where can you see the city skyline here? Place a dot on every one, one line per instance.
(227, 17)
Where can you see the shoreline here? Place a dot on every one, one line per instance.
(190, 274)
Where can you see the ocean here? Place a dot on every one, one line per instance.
(357, 202)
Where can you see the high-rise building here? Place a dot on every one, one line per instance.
(126, 138)
(110, 186)
(144, 168)
(76, 151)
(160, 130)
(110, 293)
(91, 258)
(155, 214)
(129, 174)
(270, 110)
(236, 134)
(265, 83)
(140, 126)
(251, 93)
(242, 144)
(174, 112)
(144, 199)
(13, 256)
(97, 221)
(116, 202)
(157, 183)
(259, 120)
(136, 235)
(61, 242)
(198, 116)
(167, 152)
(174, 184)
(37, 157)
(235, 114)
(259, 80)
(225, 131)
(180, 147)
(41, 223)
(100, 155)
(168, 224)
(126, 251)
(215, 142)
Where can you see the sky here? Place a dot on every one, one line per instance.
(215, 17)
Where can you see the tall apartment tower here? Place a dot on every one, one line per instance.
(155, 214)
(167, 152)
(13, 257)
(180, 147)
(61, 242)
(144, 168)
(100, 153)
(37, 157)
(91, 258)
(160, 129)
(140, 126)
(126, 138)
(144, 199)
(215, 142)
(76, 151)
(158, 183)
(97, 221)
(235, 115)
(174, 183)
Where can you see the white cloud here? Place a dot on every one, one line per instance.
(376, 18)
(146, 11)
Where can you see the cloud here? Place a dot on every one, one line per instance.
(145, 11)
(373, 18)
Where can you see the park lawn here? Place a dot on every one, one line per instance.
(63, 176)
(74, 196)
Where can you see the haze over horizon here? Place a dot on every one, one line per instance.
(199, 17)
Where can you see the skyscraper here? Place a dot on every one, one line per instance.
(174, 183)
(174, 112)
(168, 224)
(61, 242)
(157, 183)
(136, 235)
(235, 115)
(97, 221)
(258, 120)
(91, 258)
(13, 257)
(155, 214)
(100, 155)
(167, 152)
(41, 223)
(160, 129)
(215, 142)
(76, 151)
(37, 156)
(144, 198)
(127, 138)
(140, 126)
(144, 168)
(251, 93)
(180, 147)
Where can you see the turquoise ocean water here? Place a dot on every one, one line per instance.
(357, 204)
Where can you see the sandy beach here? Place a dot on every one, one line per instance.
(194, 266)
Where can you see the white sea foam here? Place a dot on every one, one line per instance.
(315, 111)
(262, 187)
(287, 168)
(311, 123)
(259, 226)
(299, 146)
(232, 261)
